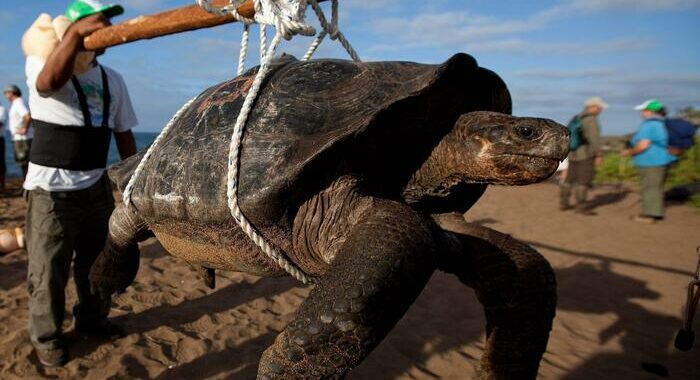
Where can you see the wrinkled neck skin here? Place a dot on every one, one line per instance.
(436, 177)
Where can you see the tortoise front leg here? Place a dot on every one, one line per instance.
(517, 289)
(377, 274)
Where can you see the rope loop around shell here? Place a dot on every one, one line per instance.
(287, 17)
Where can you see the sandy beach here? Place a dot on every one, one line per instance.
(621, 288)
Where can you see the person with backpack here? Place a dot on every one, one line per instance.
(585, 154)
(681, 134)
(651, 158)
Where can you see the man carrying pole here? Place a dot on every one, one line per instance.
(77, 105)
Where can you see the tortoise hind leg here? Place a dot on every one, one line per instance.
(377, 274)
(517, 289)
(116, 267)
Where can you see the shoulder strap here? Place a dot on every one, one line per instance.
(82, 99)
(106, 100)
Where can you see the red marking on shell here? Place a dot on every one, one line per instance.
(239, 85)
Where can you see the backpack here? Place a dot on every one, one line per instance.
(576, 138)
(681, 135)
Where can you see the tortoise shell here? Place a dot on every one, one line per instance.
(312, 122)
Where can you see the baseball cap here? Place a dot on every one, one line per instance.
(650, 105)
(83, 8)
(13, 89)
(596, 101)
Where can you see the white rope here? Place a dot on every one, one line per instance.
(233, 170)
(314, 46)
(263, 42)
(132, 181)
(244, 49)
(287, 16)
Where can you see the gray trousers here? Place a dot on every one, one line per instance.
(579, 177)
(651, 181)
(59, 225)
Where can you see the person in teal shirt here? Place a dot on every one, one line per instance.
(651, 158)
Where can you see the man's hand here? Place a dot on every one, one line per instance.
(87, 26)
(61, 63)
(26, 123)
(599, 160)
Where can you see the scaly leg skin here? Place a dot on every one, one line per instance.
(116, 267)
(516, 287)
(380, 270)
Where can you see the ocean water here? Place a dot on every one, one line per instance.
(143, 140)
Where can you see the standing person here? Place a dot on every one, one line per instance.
(584, 158)
(651, 158)
(76, 109)
(3, 167)
(20, 127)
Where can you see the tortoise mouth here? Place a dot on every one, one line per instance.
(534, 156)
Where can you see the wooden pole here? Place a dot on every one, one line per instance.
(162, 24)
(177, 20)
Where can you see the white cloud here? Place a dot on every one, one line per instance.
(440, 29)
(367, 4)
(645, 5)
(567, 74)
(519, 46)
(493, 34)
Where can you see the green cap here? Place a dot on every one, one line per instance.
(652, 105)
(83, 8)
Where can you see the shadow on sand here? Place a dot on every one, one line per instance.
(645, 336)
(223, 361)
(176, 316)
(609, 198)
(440, 327)
(12, 274)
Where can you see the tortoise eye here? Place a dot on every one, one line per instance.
(528, 133)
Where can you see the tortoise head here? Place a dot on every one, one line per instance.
(488, 147)
(495, 148)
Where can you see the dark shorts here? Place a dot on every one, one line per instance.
(581, 172)
(3, 169)
(22, 149)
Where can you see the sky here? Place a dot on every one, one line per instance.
(552, 54)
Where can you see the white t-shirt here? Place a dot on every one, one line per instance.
(63, 108)
(2, 121)
(17, 113)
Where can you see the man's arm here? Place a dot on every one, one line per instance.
(126, 144)
(60, 65)
(26, 123)
(591, 132)
(640, 147)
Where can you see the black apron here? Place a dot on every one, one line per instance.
(74, 147)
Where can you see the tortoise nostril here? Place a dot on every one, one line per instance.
(528, 133)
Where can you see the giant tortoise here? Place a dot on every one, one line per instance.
(359, 173)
